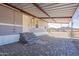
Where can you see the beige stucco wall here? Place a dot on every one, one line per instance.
(26, 22)
(29, 24)
(43, 24)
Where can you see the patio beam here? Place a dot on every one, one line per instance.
(42, 10)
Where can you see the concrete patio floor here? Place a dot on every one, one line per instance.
(45, 46)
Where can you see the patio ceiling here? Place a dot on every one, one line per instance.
(50, 12)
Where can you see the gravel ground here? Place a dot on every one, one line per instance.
(45, 46)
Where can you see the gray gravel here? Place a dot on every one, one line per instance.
(45, 46)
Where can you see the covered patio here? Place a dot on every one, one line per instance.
(54, 24)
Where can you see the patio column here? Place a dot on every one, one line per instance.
(71, 28)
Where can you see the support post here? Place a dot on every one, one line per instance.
(71, 28)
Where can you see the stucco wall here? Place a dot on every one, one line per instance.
(26, 22)
(29, 24)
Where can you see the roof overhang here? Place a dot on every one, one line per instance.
(49, 12)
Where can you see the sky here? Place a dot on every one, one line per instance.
(76, 19)
(75, 22)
